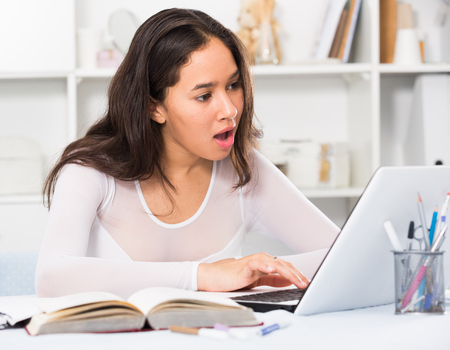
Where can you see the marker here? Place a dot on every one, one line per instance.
(273, 327)
(202, 332)
(433, 224)
(411, 235)
(233, 332)
(441, 219)
(392, 236)
(423, 222)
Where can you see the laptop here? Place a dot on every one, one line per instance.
(358, 270)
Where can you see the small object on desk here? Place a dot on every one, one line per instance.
(439, 239)
(273, 327)
(202, 332)
(441, 219)
(411, 234)
(433, 225)
(430, 260)
(233, 332)
(392, 236)
(423, 222)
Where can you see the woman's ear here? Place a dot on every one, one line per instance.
(157, 113)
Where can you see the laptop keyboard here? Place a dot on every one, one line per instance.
(273, 297)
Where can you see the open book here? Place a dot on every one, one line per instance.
(160, 307)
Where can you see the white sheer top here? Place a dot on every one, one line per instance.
(101, 235)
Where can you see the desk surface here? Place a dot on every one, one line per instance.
(369, 328)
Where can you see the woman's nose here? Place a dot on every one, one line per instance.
(227, 108)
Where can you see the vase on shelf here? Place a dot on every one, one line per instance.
(266, 52)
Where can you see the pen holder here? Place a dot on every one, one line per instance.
(419, 282)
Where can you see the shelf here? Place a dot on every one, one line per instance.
(33, 75)
(95, 73)
(261, 70)
(306, 69)
(352, 192)
(21, 199)
(418, 68)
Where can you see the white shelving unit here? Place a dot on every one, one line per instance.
(328, 102)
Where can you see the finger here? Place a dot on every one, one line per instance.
(273, 281)
(295, 271)
(290, 273)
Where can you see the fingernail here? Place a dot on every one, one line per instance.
(270, 268)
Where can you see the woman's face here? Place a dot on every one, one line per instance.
(202, 111)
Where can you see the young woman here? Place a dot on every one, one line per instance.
(162, 190)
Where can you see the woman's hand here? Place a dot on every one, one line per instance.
(252, 271)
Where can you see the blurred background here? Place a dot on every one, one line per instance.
(341, 88)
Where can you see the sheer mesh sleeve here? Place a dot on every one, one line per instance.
(63, 267)
(276, 208)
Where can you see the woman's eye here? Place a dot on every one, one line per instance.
(234, 86)
(203, 98)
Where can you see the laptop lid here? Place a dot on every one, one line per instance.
(359, 268)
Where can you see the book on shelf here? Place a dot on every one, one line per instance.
(157, 308)
(329, 27)
(388, 30)
(340, 31)
(344, 50)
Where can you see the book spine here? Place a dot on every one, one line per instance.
(347, 28)
(351, 31)
(339, 34)
(388, 30)
(329, 28)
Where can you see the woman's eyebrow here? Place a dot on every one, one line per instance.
(208, 85)
(203, 86)
(234, 74)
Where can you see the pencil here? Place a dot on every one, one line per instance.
(423, 222)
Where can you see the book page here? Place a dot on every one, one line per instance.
(16, 309)
(55, 304)
(146, 299)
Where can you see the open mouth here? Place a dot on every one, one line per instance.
(225, 139)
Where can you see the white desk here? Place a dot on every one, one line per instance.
(362, 329)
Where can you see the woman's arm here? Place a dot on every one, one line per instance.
(276, 208)
(63, 267)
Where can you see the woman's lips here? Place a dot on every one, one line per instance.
(225, 139)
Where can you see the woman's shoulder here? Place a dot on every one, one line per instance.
(83, 176)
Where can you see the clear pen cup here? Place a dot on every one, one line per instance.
(419, 282)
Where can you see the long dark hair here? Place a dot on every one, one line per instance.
(126, 143)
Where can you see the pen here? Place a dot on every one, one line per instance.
(411, 235)
(233, 332)
(441, 219)
(433, 225)
(439, 239)
(423, 222)
(202, 332)
(273, 327)
(392, 236)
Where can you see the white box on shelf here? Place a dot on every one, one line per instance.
(21, 166)
(437, 45)
(427, 141)
(312, 164)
